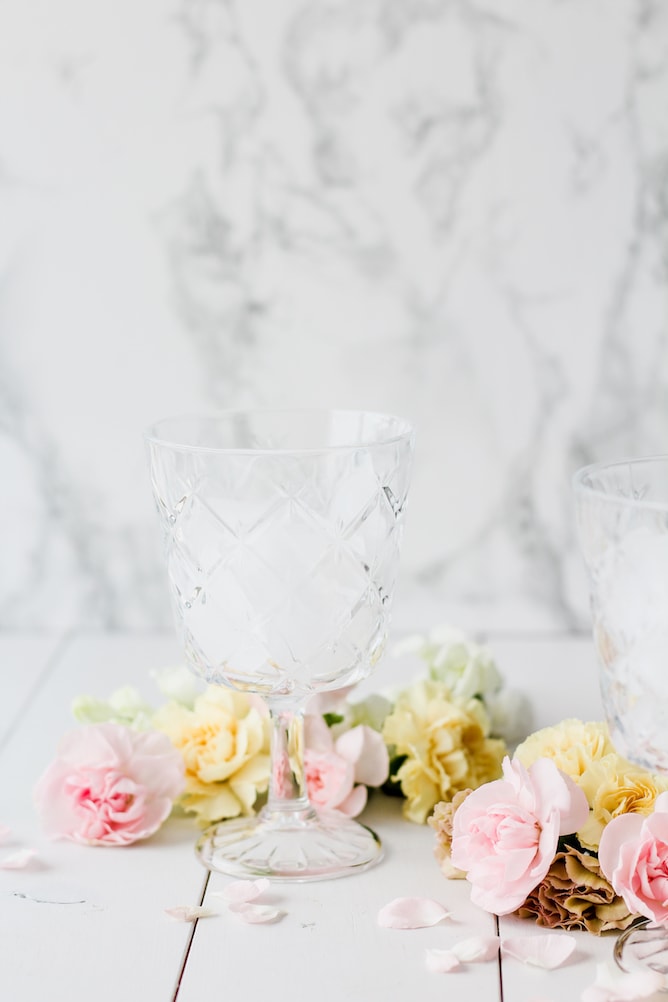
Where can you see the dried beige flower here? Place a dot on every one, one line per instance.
(574, 894)
(441, 822)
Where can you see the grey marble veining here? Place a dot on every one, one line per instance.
(450, 209)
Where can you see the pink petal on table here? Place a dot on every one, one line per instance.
(411, 913)
(613, 985)
(244, 890)
(17, 860)
(256, 914)
(441, 961)
(189, 913)
(477, 949)
(549, 950)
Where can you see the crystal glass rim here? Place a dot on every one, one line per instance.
(402, 430)
(579, 485)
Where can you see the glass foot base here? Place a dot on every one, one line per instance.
(643, 945)
(321, 847)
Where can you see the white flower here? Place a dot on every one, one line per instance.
(465, 667)
(125, 706)
(178, 684)
(510, 715)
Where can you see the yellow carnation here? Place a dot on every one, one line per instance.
(445, 746)
(615, 786)
(224, 741)
(572, 745)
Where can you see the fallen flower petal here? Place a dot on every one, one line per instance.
(613, 985)
(256, 914)
(17, 860)
(477, 949)
(549, 950)
(411, 913)
(244, 890)
(441, 961)
(189, 913)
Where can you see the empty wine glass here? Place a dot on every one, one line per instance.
(622, 518)
(282, 533)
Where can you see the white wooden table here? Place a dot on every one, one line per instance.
(89, 922)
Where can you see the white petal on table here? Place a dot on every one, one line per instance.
(18, 860)
(411, 913)
(550, 950)
(189, 913)
(477, 949)
(243, 890)
(441, 961)
(612, 985)
(256, 914)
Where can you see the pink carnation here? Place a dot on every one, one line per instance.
(329, 778)
(633, 854)
(338, 772)
(109, 785)
(505, 833)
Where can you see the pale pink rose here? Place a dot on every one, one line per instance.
(355, 802)
(338, 772)
(367, 752)
(505, 833)
(109, 785)
(633, 854)
(317, 735)
(329, 778)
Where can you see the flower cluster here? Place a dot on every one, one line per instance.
(207, 753)
(573, 835)
(448, 732)
(439, 737)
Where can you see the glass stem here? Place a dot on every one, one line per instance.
(287, 801)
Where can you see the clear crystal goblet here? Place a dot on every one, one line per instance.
(282, 532)
(622, 519)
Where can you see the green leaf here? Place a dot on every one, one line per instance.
(392, 787)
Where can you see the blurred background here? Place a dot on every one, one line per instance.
(455, 210)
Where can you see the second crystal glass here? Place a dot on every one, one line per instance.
(622, 518)
(282, 533)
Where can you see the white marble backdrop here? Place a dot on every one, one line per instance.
(452, 209)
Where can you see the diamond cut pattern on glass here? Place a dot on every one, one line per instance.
(281, 566)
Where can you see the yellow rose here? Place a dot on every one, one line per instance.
(224, 741)
(572, 745)
(445, 746)
(614, 786)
